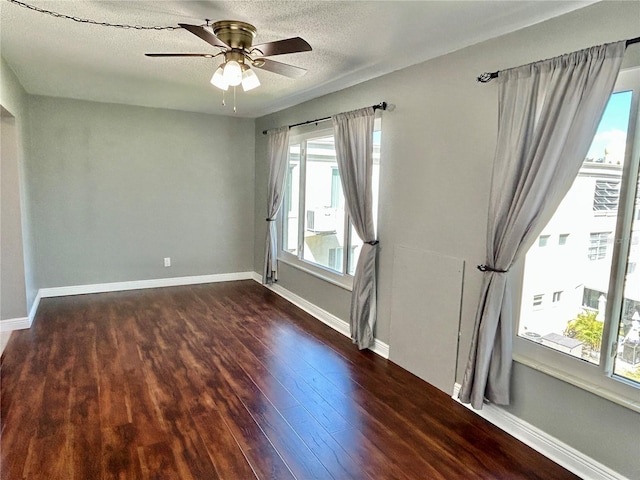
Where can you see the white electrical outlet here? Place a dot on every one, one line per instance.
(167, 261)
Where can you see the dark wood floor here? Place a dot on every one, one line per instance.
(227, 381)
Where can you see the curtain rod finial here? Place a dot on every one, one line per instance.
(486, 77)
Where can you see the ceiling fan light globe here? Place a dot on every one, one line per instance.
(249, 80)
(218, 79)
(232, 73)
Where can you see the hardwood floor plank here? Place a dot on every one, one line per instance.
(144, 413)
(265, 461)
(113, 399)
(371, 459)
(27, 389)
(327, 416)
(299, 459)
(158, 462)
(190, 451)
(223, 449)
(86, 441)
(244, 355)
(335, 459)
(48, 456)
(120, 456)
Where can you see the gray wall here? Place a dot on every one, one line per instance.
(13, 300)
(437, 153)
(115, 189)
(17, 271)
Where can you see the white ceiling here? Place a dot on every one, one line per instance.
(352, 42)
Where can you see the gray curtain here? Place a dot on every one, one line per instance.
(354, 150)
(548, 114)
(277, 152)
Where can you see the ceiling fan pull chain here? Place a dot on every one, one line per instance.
(223, 102)
(234, 100)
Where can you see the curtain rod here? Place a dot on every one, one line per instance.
(379, 106)
(487, 77)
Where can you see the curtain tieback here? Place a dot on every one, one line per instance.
(373, 242)
(270, 219)
(487, 268)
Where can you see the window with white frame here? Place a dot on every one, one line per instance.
(562, 239)
(598, 245)
(317, 234)
(605, 197)
(598, 320)
(537, 300)
(543, 240)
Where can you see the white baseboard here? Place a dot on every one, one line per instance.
(325, 317)
(10, 324)
(34, 308)
(140, 284)
(21, 323)
(561, 453)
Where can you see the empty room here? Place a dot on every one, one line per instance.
(319, 239)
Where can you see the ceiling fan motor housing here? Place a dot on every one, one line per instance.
(236, 34)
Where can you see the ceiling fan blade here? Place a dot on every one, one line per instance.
(280, 47)
(279, 68)
(207, 55)
(205, 35)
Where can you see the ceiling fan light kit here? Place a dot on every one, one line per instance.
(232, 73)
(218, 79)
(226, 75)
(235, 41)
(249, 79)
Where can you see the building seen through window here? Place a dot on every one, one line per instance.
(577, 256)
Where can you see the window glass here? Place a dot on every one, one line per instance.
(316, 228)
(577, 275)
(324, 204)
(627, 360)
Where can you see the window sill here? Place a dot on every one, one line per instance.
(609, 394)
(341, 281)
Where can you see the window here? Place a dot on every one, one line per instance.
(598, 245)
(317, 234)
(537, 300)
(543, 240)
(605, 197)
(591, 298)
(589, 331)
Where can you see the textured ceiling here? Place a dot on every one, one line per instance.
(352, 42)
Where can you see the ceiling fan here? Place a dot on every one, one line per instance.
(235, 39)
